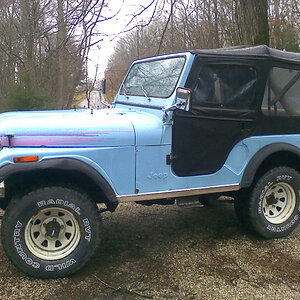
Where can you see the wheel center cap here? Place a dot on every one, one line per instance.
(271, 200)
(52, 229)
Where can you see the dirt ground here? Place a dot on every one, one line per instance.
(166, 252)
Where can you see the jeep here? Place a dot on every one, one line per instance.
(183, 128)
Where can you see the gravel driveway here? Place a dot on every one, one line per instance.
(166, 252)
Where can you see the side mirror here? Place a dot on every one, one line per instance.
(183, 98)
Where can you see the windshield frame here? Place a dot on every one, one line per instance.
(152, 101)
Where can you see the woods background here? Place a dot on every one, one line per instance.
(44, 44)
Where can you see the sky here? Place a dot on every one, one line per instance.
(100, 53)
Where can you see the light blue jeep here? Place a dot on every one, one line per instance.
(185, 125)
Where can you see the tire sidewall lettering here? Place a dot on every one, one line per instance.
(293, 220)
(87, 230)
(59, 202)
(66, 204)
(60, 266)
(279, 228)
(24, 257)
(262, 195)
(281, 178)
(20, 248)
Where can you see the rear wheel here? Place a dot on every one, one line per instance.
(51, 232)
(272, 208)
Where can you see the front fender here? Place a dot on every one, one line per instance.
(64, 164)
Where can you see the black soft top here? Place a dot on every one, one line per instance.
(262, 51)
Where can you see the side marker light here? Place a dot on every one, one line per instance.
(25, 159)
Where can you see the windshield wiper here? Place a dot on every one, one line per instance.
(145, 92)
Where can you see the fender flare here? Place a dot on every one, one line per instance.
(64, 164)
(260, 156)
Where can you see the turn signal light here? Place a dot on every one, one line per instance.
(26, 159)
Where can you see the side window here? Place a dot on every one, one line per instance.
(224, 85)
(282, 93)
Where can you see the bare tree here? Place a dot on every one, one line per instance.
(202, 24)
(284, 18)
(44, 44)
(252, 20)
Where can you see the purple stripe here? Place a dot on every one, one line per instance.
(51, 141)
(91, 133)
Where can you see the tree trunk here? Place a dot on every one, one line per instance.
(61, 39)
(216, 24)
(253, 21)
(27, 17)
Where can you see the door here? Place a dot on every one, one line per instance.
(222, 113)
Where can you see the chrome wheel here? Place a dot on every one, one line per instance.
(279, 203)
(52, 234)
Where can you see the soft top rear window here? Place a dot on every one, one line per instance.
(282, 93)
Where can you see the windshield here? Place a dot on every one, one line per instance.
(156, 78)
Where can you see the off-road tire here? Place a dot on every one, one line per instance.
(271, 208)
(51, 232)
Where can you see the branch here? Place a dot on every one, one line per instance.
(136, 15)
(122, 290)
(166, 26)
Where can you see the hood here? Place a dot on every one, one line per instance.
(81, 128)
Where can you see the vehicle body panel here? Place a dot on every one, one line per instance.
(130, 145)
(67, 128)
(156, 175)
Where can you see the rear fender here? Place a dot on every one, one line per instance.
(261, 156)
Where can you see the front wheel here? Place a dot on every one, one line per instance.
(51, 232)
(272, 208)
